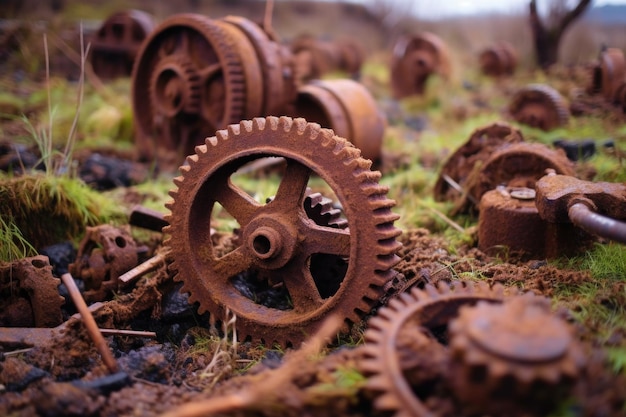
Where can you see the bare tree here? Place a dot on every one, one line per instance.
(547, 32)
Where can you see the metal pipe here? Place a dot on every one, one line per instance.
(582, 216)
(90, 323)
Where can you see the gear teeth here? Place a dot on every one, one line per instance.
(258, 124)
(234, 130)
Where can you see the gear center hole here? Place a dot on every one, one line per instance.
(262, 244)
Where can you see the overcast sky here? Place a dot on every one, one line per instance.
(445, 8)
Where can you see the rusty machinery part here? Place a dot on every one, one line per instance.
(352, 56)
(430, 309)
(509, 224)
(414, 59)
(609, 73)
(593, 206)
(620, 97)
(346, 107)
(281, 245)
(540, 106)
(498, 60)
(277, 76)
(317, 57)
(105, 253)
(513, 356)
(461, 165)
(116, 43)
(189, 80)
(518, 165)
(30, 294)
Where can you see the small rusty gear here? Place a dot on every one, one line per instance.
(498, 60)
(280, 243)
(518, 165)
(511, 357)
(30, 294)
(609, 73)
(105, 253)
(540, 106)
(415, 59)
(116, 43)
(431, 309)
(203, 50)
(320, 209)
(462, 164)
(175, 88)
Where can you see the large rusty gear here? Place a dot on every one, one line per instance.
(280, 243)
(30, 294)
(117, 42)
(540, 106)
(519, 344)
(415, 59)
(431, 308)
(204, 50)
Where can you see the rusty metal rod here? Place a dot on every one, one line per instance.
(142, 269)
(582, 216)
(90, 323)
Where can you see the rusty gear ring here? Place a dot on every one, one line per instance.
(540, 106)
(175, 88)
(212, 53)
(116, 43)
(430, 308)
(278, 238)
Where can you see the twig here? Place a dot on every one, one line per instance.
(118, 332)
(90, 323)
(142, 269)
(16, 352)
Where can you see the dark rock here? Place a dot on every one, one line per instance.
(61, 256)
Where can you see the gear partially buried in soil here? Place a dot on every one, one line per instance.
(540, 106)
(421, 313)
(283, 248)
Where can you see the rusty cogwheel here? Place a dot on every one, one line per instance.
(431, 308)
(620, 97)
(189, 80)
(518, 165)
(116, 43)
(540, 106)
(608, 73)
(312, 270)
(30, 294)
(462, 164)
(512, 356)
(498, 60)
(414, 60)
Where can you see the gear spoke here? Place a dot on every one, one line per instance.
(304, 294)
(209, 72)
(292, 188)
(235, 201)
(231, 264)
(326, 240)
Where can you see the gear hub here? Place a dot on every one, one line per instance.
(311, 270)
(513, 355)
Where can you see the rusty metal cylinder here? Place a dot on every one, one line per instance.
(348, 108)
(509, 224)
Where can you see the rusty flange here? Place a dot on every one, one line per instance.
(189, 80)
(509, 224)
(428, 309)
(282, 248)
(518, 165)
(513, 357)
(116, 43)
(29, 293)
(464, 163)
(498, 60)
(105, 253)
(348, 108)
(414, 59)
(540, 106)
(609, 73)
